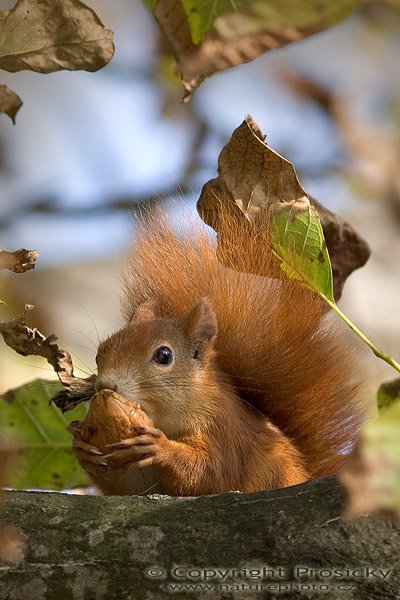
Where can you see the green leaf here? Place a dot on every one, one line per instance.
(258, 183)
(299, 243)
(372, 473)
(232, 18)
(214, 35)
(45, 460)
(277, 17)
(388, 393)
(201, 16)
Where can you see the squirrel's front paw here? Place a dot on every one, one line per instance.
(139, 451)
(90, 458)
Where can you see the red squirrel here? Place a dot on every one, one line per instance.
(247, 381)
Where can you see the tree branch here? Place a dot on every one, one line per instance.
(128, 546)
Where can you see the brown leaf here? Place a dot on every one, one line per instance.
(218, 54)
(27, 341)
(51, 35)
(234, 35)
(171, 17)
(10, 103)
(173, 22)
(255, 183)
(253, 180)
(18, 261)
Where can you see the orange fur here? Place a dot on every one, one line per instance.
(276, 341)
(208, 440)
(263, 391)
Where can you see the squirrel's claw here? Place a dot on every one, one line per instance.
(89, 457)
(132, 454)
(78, 443)
(88, 448)
(140, 430)
(75, 427)
(139, 450)
(139, 440)
(85, 458)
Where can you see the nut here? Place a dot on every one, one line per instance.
(110, 419)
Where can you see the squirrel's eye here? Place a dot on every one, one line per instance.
(162, 356)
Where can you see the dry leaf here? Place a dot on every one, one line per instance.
(50, 35)
(18, 261)
(257, 185)
(213, 36)
(252, 178)
(27, 341)
(10, 104)
(252, 181)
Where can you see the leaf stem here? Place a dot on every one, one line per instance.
(386, 357)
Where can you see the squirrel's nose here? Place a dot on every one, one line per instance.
(104, 384)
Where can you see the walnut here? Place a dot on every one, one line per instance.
(110, 419)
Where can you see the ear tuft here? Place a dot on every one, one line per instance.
(144, 312)
(201, 322)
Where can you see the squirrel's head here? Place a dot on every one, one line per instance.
(163, 364)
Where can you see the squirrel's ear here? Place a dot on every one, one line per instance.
(144, 312)
(201, 322)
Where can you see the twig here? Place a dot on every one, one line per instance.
(27, 341)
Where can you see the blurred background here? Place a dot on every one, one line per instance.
(88, 147)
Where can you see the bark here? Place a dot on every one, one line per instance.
(84, 547)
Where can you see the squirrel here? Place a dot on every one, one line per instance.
(246, 379)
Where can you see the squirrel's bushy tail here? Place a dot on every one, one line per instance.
(276, 340)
